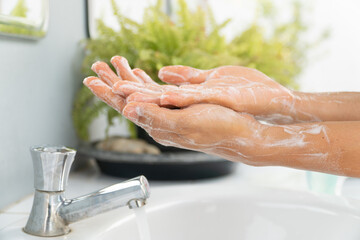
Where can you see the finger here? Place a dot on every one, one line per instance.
(103, 91)
(105, 73)
(160, 132)
(125, 88)
(147, 98)
(180, 75)
(143, 76)
(183, 97)
(178, 99)
(142, 97)
(239, 73)
(123, 69)
(152, 117)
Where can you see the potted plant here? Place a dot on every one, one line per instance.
(194, 39)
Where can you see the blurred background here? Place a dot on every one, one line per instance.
(332, 65)
(47, 47)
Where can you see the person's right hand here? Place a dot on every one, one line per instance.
(239, 88)
(207, 128)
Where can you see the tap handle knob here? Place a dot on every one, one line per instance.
(51, 167)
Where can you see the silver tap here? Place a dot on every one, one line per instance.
(52, 213)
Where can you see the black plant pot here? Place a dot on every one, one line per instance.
(172, 164)
(142, 134)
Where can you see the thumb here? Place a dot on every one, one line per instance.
(151, 117)
(181, 75)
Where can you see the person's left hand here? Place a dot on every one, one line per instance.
(201, 127)
(102, 85)
(239, 88)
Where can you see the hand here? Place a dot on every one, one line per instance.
(239, 88)
(328, 146)
(207, 128)
(202, 127)
(102, 86)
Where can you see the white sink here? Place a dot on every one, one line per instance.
(218, 212)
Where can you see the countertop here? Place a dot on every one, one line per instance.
(89, 179)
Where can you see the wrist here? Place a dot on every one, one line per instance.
(301, 107)
(277, 142)
(259, 150)
(294, 102)
(281, 109)
(270, 137)
(326, 106)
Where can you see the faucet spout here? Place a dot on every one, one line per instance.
(52, 213)
(118, 195)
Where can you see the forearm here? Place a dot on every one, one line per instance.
(339, 106)
(331, 147)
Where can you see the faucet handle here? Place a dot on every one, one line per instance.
(51, 167)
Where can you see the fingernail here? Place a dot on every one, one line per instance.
(119, 59)
(86, 81)
(95, 65)
(92, 81)
(113, 58)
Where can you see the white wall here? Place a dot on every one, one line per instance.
(38, 80)
(335, 65)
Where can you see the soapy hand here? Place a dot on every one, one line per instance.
(102, 85)
(202, 127)
(239, 88)
(329, 147)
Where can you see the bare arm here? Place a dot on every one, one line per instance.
(336, 106)
(330, 147)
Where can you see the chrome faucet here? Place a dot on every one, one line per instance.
(52, 213)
